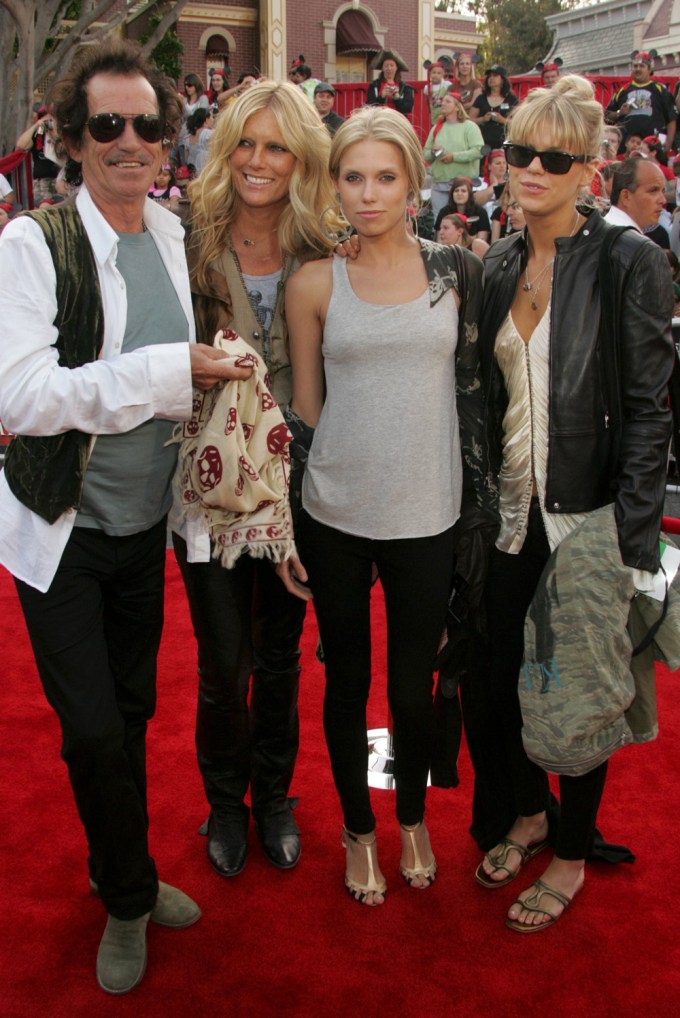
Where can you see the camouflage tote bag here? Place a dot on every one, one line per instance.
(575, 683)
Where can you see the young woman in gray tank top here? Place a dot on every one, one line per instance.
(383, 373)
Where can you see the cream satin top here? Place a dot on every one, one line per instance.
(526, 371)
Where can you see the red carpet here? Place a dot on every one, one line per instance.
(294, 944)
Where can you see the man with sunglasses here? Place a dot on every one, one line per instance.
(643, 106)
(97, 362)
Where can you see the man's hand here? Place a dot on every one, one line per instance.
(349, 248)
(209, 367)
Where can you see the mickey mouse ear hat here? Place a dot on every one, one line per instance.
(642, 57)
(554, 65)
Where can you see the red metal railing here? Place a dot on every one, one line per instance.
(351, 95)
(17, 168)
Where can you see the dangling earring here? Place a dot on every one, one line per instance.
(334, 225)
(411, 220)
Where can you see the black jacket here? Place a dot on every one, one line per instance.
(609, 422)
(333, 121)
(403, 100)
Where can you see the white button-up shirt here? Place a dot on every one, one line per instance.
(111, 395)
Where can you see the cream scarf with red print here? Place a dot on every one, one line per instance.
(234, 463)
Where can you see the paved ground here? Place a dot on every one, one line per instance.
(672, 503)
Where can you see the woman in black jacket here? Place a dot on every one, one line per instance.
(560, 449)
(388, 89)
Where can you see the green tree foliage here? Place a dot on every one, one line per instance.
(167, 55)
(39, 38)
(516, 33)
(515, 30)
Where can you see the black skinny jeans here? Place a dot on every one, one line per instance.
(416, 577)
(246, 624)
(510, 589)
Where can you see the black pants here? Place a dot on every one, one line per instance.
(416, 578)
(510, 589)
(95, 636)
(246, 623)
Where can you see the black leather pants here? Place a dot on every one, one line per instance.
(246, 625)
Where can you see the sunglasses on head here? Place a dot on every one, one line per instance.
(109, 126)
(552, 162)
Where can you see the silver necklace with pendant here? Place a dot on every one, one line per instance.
(537, 283)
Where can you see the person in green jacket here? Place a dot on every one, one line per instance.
(453, 149)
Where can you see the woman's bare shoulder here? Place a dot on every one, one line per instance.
(313, 272)
(311, 278)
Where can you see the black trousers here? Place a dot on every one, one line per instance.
(246, 624)
(95, 635)
(522, 786)
(416, 577)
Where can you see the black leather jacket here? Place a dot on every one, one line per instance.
(609, 423)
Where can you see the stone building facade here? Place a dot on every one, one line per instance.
(598, 38)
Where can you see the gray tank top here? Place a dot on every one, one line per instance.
(385, 462)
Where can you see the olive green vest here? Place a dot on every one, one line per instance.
(46, 473)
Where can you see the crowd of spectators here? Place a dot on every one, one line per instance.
(640, 125)
(469, 110)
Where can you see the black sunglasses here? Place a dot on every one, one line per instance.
(552, 162)
(109, 126)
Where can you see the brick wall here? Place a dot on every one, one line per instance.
(304, 34)
(400, 17)
(245, 57)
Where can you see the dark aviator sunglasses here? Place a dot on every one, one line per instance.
(109, 126)
(552, 162)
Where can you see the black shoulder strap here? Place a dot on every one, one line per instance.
(609, 332)
(610, 322)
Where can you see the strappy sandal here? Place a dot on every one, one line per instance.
(533, 904)
(409, 873)
(359, 891)
(500, 861)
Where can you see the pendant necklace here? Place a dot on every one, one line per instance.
(247, 242)
(537, 283)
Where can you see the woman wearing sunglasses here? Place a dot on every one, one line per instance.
(195, 97)
(255, 212)
(552, 451)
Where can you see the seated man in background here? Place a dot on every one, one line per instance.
(638, 197)
(324, 97)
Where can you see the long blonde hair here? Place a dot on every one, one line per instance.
(215, 202)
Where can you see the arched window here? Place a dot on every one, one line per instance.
(216, 55)
(355, 47)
